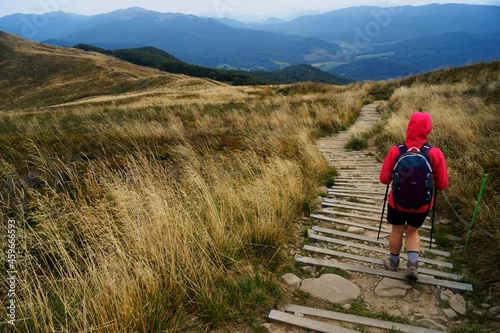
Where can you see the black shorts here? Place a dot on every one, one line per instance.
(401, 218)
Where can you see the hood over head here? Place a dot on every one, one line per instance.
(419, 127)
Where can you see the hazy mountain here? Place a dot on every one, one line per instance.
(398, 40)
(201, 41)
(40, 27)
(368, 24)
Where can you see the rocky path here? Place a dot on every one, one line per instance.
(348, 282)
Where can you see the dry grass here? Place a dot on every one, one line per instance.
(148, 216)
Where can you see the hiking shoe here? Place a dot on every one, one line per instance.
(391, 265)
(412, 271)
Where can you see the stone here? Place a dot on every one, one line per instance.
(495, 310)
(450, 313)
(440, 320)
(446, 295)
(431, 324)
(355, 230)
(388, 287)
(331, 287)
(308, 269)
(322, 191)
(445, 221)
(457, 303)
(267, 325)
(453, 238)
(485, 305)
(346, 306)
(292, 280)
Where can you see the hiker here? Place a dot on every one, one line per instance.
(406, 220)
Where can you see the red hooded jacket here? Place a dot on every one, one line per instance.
(419, 127)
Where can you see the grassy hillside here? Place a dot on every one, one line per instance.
(156, 58)
(170, 207)
(35, 74)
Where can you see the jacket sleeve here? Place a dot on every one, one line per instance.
(387, 166)
(440, 170)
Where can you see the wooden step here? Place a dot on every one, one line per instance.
(354, 204)
(355, 190)
(385, 273)
(330, 240)
(385, 243)
(358, 216)
(361, 207)
(350, 195)
(380, 262)
(343, 317)
(354, 224)
(352, 207)
(349, 223)
(303, 322)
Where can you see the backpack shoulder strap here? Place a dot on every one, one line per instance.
(402, 148)
(425, 148)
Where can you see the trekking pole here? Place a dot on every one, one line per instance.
(475, 210)
(383, 211)
(433, 214)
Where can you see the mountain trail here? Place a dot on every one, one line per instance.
(344, 285)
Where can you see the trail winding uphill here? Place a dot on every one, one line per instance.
(343, 238)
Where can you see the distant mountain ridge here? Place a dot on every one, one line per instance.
(392, 24)
(399, 41)
(201, 41)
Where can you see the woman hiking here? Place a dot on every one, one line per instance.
(406, 220)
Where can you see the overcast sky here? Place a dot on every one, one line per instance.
(221, 8)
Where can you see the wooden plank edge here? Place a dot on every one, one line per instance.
(384, 242)
(338, 316)
(380, 262)
(303, 322)
(384, 273)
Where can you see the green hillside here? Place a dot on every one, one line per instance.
(156, 58)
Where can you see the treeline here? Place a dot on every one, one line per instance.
(156, 58)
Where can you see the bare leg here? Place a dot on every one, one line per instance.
(396, 239)
(412, 239)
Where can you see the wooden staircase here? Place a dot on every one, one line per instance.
(356, 200)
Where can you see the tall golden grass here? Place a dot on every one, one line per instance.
(162, 218)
